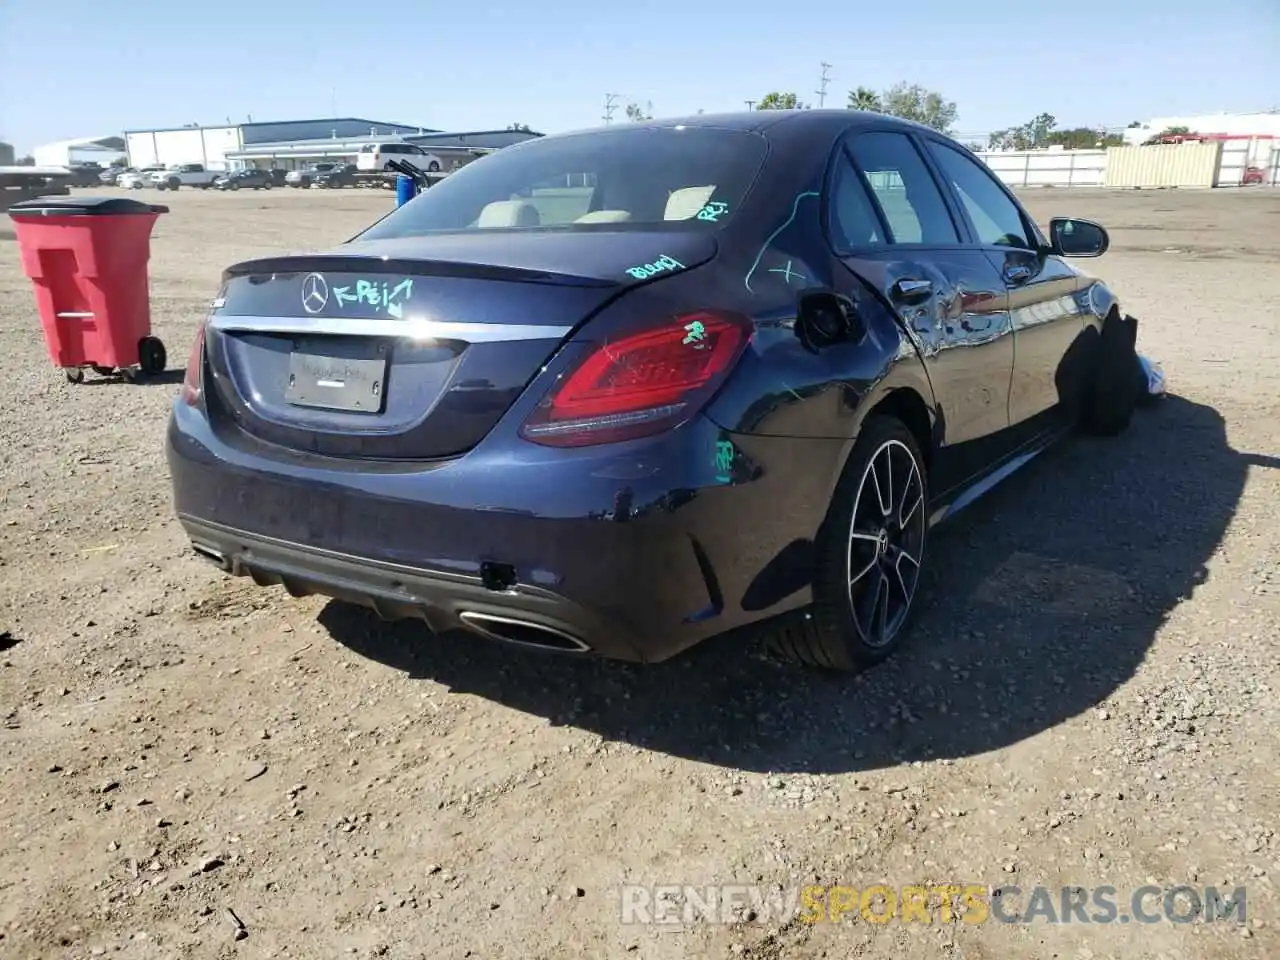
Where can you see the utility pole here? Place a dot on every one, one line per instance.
(751, 104)
(822, 85)
(610, 105)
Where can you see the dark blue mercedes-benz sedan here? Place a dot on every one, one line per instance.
(619, 390)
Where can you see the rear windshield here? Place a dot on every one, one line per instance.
(617, 178)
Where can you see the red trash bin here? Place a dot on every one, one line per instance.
(87, 258)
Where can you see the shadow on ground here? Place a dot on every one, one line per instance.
(1041, 600)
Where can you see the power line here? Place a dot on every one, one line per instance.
(822, 85)
(610, 105)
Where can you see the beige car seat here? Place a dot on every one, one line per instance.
(509, 213)
(687, 201)
(604, 216)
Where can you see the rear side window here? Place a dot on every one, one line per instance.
(368, 148)
(904, 188)
(625, 178)
(852, 215)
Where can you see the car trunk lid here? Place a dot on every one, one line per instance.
(413, 348)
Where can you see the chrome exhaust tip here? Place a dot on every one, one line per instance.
(522, 632)
(210, 553)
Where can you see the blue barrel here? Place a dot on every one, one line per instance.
(405, 190)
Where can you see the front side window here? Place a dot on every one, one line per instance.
(904, 188)
(632, 177)
(995, 217)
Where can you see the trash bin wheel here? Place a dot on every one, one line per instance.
(103, 371)
(74, 375)
(151, 356)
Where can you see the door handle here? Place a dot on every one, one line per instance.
(1017, 273)
(912, 291)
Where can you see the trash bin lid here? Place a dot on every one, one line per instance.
(69, 206)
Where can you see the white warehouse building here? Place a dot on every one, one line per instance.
(1261, 125)
(64, 153)
(210, 145)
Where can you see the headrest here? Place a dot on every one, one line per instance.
(687, 201)
(509, 213)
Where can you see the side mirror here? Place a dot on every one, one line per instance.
(1078, 238)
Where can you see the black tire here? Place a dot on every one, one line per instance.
(103, 371)
(1112, 397)
(74, 375)
(233, 186)
(174, 185)
(152, 357)
(830, 634)
(267, 185)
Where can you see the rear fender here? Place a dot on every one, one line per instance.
(906, 394)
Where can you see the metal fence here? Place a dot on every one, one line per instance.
(1241, 161)
(1048, 168)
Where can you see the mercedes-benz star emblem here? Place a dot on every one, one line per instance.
(315, 293)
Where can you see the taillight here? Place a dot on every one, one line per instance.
(641, 384)
(193, 381)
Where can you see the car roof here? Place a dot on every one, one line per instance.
(771, 123)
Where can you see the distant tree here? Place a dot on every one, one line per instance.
(27, 161)
(775, 100)
(864, 98)
(914, 102)
(1168, 132)
(520, 127)
(1083, 138)
(1136, 123)
(637, 113)
(1032, 135)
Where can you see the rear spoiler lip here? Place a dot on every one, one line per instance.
(411, 266)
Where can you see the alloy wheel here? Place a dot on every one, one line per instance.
(886, 543)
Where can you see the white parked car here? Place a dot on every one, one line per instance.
(375, 156)
(185, 175)
(137, 179)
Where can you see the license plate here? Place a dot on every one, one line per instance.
(332, 381)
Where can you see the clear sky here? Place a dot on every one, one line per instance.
(86, 67)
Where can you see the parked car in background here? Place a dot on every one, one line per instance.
(136, 179)
(1253, 174)
(343, 175)
(278, 176)
(110, 175)
(303, 177)
(251, 179)
(184, 175)
(84, 174)
(378, 156)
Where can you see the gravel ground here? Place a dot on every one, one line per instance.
(194, 767)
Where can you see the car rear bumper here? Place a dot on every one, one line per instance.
(634, 553)
(445, 601)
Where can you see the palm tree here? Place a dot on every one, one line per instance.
(864, 99)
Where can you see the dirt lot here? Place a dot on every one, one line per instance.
(1090, 697)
